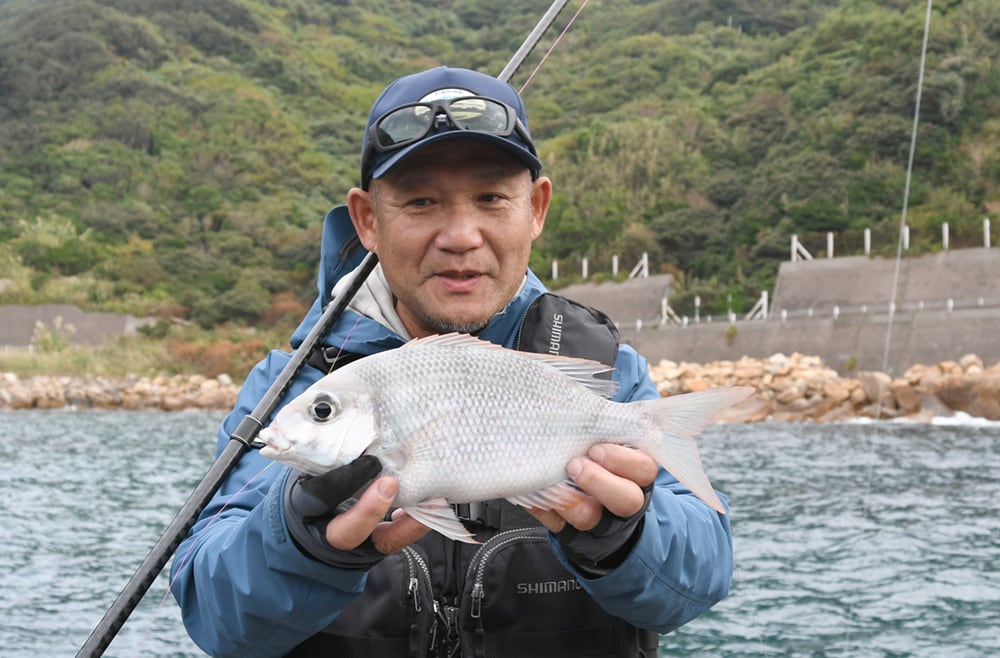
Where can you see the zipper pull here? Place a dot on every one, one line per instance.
(438, 618)
(412, 591)
(477, 600)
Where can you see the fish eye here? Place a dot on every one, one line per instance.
(323, 408)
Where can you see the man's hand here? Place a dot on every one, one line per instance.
(353, 538)
(614, 477)
(351, 529)
(598, 533)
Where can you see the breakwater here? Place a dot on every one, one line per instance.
(803, 388)
(166, 393)
(791, 388)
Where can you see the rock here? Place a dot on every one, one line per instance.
(970, 361)
(695, 385)
(977, 396)
(875, 385)
(836, 391)
(907, 399)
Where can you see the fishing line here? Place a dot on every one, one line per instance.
(906, 202)
(553, 46)
(899, 243)
(870, 467)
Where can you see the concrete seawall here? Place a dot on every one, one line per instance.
(844, 344)
(79, 327)
(946, 305)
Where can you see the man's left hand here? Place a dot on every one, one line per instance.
(613, 476)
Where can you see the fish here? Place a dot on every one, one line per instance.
(456, 419)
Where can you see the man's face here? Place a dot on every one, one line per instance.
(452, 226)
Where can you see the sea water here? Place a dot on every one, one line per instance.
(856, 539)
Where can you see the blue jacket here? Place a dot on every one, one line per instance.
(246, 590)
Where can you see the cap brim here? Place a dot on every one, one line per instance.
(529, 159)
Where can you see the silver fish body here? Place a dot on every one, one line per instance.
(456, 419)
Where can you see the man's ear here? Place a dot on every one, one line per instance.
(361, 207)
(541, 197)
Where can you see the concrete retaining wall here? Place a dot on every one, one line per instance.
(947, 305)
(17, 324)
(916, 338)
(965, 276)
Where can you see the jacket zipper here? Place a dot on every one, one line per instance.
(418, 570)
(477, 573)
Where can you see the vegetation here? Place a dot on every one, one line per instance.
(175, 157)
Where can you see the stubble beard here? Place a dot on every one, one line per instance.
(440, 326)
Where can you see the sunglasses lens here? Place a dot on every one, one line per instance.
(410, 123)
(404, 125)
(480, 114)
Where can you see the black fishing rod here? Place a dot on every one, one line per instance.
(242, 438)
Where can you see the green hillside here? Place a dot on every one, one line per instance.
(176, 157)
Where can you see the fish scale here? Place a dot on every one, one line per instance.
(456, 419)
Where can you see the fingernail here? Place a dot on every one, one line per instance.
(386, 488)
(574, 467)
(597, 453)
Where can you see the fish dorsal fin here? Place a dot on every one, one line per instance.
(562, 495)
(438, 515)
(582, 371)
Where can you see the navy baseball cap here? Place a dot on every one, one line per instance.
(444, 103)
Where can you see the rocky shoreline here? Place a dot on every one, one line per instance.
(799, 388)
(164, 393)
(793, 388)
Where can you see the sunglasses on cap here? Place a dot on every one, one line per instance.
(410, 123)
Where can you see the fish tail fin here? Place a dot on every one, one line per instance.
(679, 418)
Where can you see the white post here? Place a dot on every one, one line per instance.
(614, 265)
(868, 242)
(944, 235)
(784, 314)
(645, 265)
(583, 266)
(555, 270)
(986, 232)
(829, 244)
(663, 311)
(795, 252)
(906, 236)
(697, 308)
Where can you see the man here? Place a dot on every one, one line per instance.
(450, 201)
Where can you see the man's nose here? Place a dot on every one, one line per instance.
(461, 229)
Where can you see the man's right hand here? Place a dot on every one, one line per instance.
(357, 537)
(351, 529)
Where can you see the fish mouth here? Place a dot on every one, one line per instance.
(274, 442)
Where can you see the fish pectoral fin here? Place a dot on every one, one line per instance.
(437, 514)
(562, 495)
